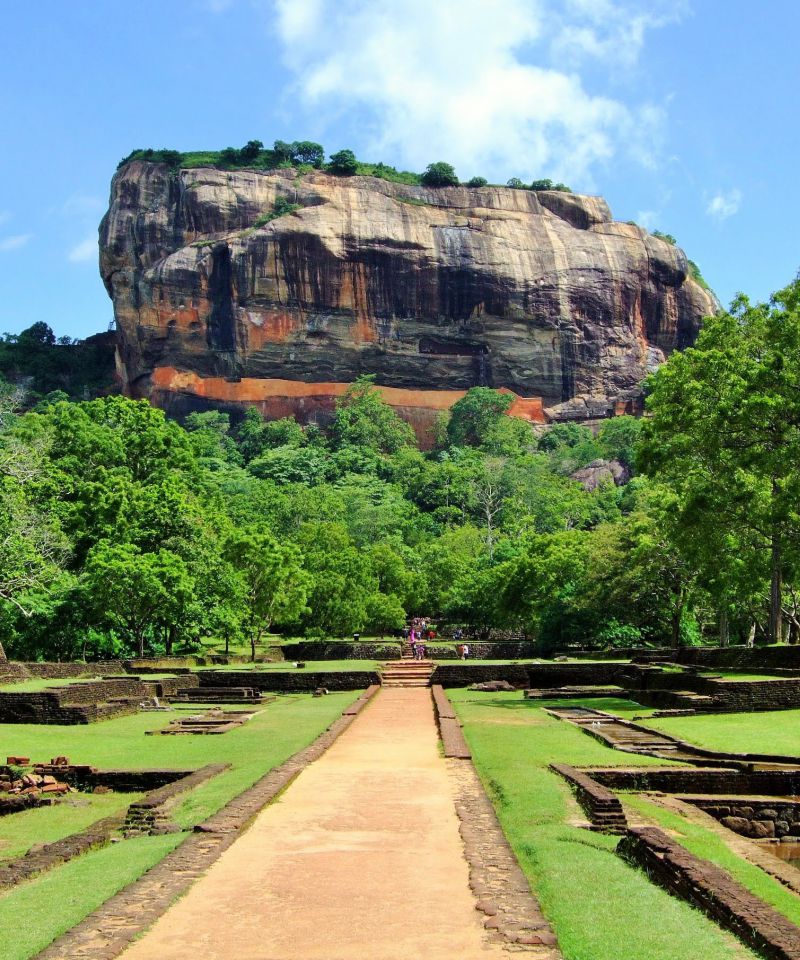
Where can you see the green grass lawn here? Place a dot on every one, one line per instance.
(46, 824)
(766, 732)
(600, 907)
(34, 913)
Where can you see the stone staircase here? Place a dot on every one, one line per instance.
(406, 672)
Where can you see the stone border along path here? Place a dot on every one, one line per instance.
(361, 858)
(107, 931)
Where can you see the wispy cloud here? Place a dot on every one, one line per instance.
(647, 219)
(724, 204)
(493, 88)
(84, 251)
(14, 242)
(82, 205)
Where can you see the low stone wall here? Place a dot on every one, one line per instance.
(700, 780)
(465, 673)
(752, 817)
(453, 742)
(741, 658)
(740, 695)
(280, 681)
(576, 674)
(712, 890)
(150, 814)
(600, 805)
(86, 778)
(76, 703)
(14, 670)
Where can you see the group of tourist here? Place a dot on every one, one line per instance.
(421, 632)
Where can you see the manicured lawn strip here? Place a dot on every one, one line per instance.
(706, 844)
(20, 831)
(33, 914)
(776, 732)
(600, 907)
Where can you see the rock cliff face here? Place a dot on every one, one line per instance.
(432, 290)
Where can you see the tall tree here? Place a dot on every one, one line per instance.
(273, 584)
(724, 433)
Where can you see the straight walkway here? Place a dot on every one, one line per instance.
(360, 859)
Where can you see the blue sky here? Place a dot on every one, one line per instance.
(682, 113)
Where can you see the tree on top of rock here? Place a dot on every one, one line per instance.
(343, 163)
(439, 175)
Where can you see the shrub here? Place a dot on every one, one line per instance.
(343, 163)
(280, 208)
(515, 183)
(549, 185)
(478, 182)
(439, 175)
(666, 237)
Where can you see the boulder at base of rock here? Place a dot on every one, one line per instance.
(602, 471)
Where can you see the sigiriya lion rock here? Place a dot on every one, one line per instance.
(278, 289)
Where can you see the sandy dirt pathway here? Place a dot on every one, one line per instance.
(360, 858)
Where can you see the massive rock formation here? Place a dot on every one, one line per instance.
(219, 302)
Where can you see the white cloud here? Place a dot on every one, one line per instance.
(723, 205)
(84, 251)
(82, 205)
(647, 219)
(14, 242)
(491, 87)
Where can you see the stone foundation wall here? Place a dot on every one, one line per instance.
(600, 805)
(753, 817)
(279, 681)
(465, 673)
(741, 658)
(576, 674)
(700, 780)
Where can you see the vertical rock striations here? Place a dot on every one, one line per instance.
(220, 302)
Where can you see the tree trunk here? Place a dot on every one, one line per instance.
(2, 653)
(775, 592)
(140, 644)
(252, 648)
(677, 616)
(169, 640)
(227, 643)
(724, 629)
(751, 636)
